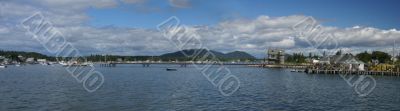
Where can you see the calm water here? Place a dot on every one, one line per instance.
(132, 87)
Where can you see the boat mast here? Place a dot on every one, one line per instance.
(394, 54)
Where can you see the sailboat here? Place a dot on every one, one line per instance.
(18, 64)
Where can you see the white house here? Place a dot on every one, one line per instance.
(41, 60)
(30, 60)
(349, 61)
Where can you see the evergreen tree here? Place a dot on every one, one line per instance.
(365, 57)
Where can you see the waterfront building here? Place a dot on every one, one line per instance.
(30, 60)
(2, 59)
(346, 61)
(21, 58)
(276, 56)
(41, 60)
(119, 60)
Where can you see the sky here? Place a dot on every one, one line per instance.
(128, 27)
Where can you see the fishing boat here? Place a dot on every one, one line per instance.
(171, 69)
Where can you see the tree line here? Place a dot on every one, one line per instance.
(13, 55)
(381, 57)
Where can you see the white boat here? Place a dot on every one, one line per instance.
(296, 70)
(87, 64)
(64, 63)
(45, 63)
(3, 66)
(171, 69)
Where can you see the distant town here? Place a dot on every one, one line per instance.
(365, 61)
(375, 60)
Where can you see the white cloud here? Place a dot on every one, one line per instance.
(133, 1)
(4, 30)
(180, 3)
(250, 35)
(78, 4)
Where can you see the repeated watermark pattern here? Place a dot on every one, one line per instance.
(55, 43)
(309, 30)
(184, 38)
(2, 5)
(1, 10)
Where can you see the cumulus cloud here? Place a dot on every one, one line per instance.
(4, 30)
(250, 35)
(78, 4)
(180, 3)
(133, 1)
(14, 12)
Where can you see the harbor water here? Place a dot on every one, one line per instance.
(134, 87)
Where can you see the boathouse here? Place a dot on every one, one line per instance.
(276, 56)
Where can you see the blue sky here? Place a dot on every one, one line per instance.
(341, 13)
(128, 27)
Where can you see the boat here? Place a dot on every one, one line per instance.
(63, 63)
(296, 70)
(45, 63)
(75, 64)
(170, 69)
(3, 66)
(87, 64)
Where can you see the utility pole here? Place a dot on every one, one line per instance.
(394, 54)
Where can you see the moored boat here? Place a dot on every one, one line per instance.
(65, 64)
(171, 69)
(3, 66)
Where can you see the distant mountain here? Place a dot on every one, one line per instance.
(202, 52)
(22, 53)
(13, 55)
(239, 54)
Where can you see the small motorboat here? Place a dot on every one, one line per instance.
(170, 69)
(3, 66)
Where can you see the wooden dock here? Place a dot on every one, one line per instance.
(286, 66)
(383, 73)
(108, 65)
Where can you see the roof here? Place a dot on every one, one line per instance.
(342, 59)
